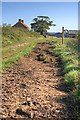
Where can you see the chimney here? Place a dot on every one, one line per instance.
(23, 21)
(19, 20)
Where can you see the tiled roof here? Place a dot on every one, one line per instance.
(21, 24)
(24, 25)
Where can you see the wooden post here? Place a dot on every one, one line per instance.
(62, 35)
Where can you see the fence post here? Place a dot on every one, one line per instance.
(62, 35)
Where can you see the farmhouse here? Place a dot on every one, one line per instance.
(21, 23)
(71, 33)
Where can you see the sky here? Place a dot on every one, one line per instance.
(61, 13)
(40, 0)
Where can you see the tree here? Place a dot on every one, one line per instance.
(41, 24)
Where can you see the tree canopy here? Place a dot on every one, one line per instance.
(41, 24)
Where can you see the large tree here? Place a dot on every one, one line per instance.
(41, 24)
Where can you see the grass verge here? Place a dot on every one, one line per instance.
(68, 52)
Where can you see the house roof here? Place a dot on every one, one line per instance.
(21, 23)
(24, 25)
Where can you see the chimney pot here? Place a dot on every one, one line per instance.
(22, 20)
(19, 20)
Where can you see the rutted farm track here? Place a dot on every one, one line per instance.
(33, 87)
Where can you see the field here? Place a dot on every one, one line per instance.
(18, 43)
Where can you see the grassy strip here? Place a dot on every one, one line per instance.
(14, 58)
(7, 62)
(69, 55)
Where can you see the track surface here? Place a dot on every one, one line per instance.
(33, 87)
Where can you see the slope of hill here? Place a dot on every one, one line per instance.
(17, 42)
(12, 35)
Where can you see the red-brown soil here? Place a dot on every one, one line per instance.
(31, 88)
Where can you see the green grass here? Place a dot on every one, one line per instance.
(8, 62)
(15, 35)
(69, 54)
(17, 42)
(13, 57)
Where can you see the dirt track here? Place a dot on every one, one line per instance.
(33, 87)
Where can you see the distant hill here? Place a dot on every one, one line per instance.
(52, 33)
(55, 34)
